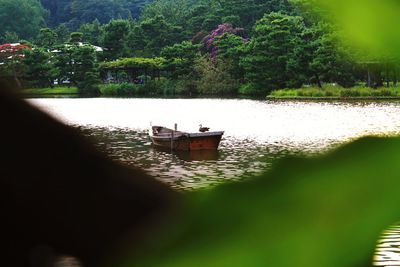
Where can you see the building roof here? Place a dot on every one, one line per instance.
(96, 48)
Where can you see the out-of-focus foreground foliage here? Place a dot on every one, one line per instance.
(370, 25)
(327, 211)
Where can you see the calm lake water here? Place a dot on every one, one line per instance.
(257, 133)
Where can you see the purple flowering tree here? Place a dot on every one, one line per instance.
(209, 40)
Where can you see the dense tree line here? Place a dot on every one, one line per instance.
(208, 46)
(22, 19)
(75, 12)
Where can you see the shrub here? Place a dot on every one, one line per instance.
(374, 92)
(300, 93)
(167, 86)
(120, 89)
(349, 93)
(365, 92)
(335, 91)
(329, 93)
(386, 92)
(284, 93)
(186, 85)
(318, 93)
(215, 78)
(249, 89)
(90, 84)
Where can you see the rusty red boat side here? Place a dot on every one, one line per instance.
(177, 140)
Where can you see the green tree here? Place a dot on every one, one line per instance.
(103, 10)
(331, 61)
(10, 37)
(63, 61)
(136, 43)
(85, 73)
(75, 37)
(231, 49)
(271, 52)
(115, 39)
(322, 57)
(92, 32)
(181, 58)
(23, 17)
(173, 11)
(157, 33)
(136, 7)
(195, 16)
(215, 79)
(245, 13)
(40, 70)
(47, 38)
(77, 12)
(196, 19)
(59, 11)
(63, 33)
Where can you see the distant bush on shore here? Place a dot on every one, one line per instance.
(336, 91)
(153, 87)
(171, 88)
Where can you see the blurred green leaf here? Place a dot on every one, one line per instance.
(326, 211)
(371, 25)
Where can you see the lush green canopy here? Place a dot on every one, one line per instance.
(76, 12)
(139, 63)
(20, 18)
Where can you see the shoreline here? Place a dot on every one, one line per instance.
(73, 92)
(268, 98)
(310, 98)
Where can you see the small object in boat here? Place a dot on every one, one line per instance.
(203, 129)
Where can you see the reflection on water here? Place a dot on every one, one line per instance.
(256, 132)
(196, 155)
(388, 250)
(185, 169)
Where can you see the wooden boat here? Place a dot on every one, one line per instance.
(177, 140)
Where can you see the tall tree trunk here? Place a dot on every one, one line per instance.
(369, 80)
(318, 80)
(379, 79)
(16, 79)
(387, 76)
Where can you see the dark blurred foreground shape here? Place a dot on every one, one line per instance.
(59, 196)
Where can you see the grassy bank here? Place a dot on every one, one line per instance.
(337, 92)
(125, 89)
(122, 89)
(160, 88)
(150, 88)
(51, 91)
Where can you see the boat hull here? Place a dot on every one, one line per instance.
(189, 141)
